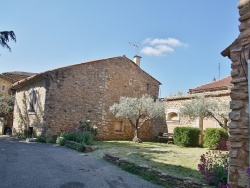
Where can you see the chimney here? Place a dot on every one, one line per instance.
(137, 60)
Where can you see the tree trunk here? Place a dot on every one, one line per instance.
(201, 130)
(136, 139)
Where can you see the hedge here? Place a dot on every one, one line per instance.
(212, 136)
(186, 136)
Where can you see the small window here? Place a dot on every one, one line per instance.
(3, 87)
(119, 126)
(148, 86)
(32, 100)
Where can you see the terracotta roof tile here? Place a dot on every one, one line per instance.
(218, 85)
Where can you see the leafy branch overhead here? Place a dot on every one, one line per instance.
(5, 37)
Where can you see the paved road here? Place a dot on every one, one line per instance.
(35, 165)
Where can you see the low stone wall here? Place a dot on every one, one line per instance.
(177, 182)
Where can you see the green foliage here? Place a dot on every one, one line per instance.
(186, 136)
(214, 167)
(138, 110)
(6, 105)
(88, 138)
(60, 141)
(51, 140)
(142, 108)
(202, 107)
(19, 135)
(212, 136)
(80, 147)
(41, 138)
(82, 135)
(86, 126)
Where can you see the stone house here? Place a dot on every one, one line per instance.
(54, 100)
(9, 78)
(217, 90)
(239, 53)
(6, 81)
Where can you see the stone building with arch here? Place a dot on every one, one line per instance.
(217, 90)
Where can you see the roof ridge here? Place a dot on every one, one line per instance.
(214, 85)
(213, 82)
(68, 66)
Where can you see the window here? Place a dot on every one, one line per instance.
(148, 86)
(119, 126)
(32, 100)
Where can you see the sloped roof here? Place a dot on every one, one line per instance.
(19, 73)
(16, 75)
(7, 78)
(218, 85)
(41, 75)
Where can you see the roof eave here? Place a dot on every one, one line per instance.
(226, 52)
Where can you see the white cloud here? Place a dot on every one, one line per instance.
(157, 47)
(146, 40)
(157, 50)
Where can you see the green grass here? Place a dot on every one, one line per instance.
(168, 158)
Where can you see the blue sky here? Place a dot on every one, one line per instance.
(179, 41)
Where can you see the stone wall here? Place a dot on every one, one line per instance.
(4, 86)
(86, 91)
(166, 179)
(238, 128)
(173, 104)
(24, 119)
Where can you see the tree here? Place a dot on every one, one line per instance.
(5, 37)
(137, 111)
(6, 105)
(202, 107)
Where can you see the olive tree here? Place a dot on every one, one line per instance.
(202, 107)
(137, 111)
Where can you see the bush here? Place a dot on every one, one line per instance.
(73, 136)
(213, 136)
(186, 136)
(88, 138)
(60, 141)
(41, 138)
(81, 135)
(214, 167)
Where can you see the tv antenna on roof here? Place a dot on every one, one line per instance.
(136, 45)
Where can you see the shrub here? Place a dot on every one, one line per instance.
(88, 138)
(186, 136)
(41, 138)
(82, 134)
(60, 141)
(86, 126)
(214, 166)
(212, 136)
(51, 140)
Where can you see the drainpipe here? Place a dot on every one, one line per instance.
(248, 79)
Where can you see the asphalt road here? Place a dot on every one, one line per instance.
(35, 165)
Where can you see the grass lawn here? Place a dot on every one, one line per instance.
(168, 158)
